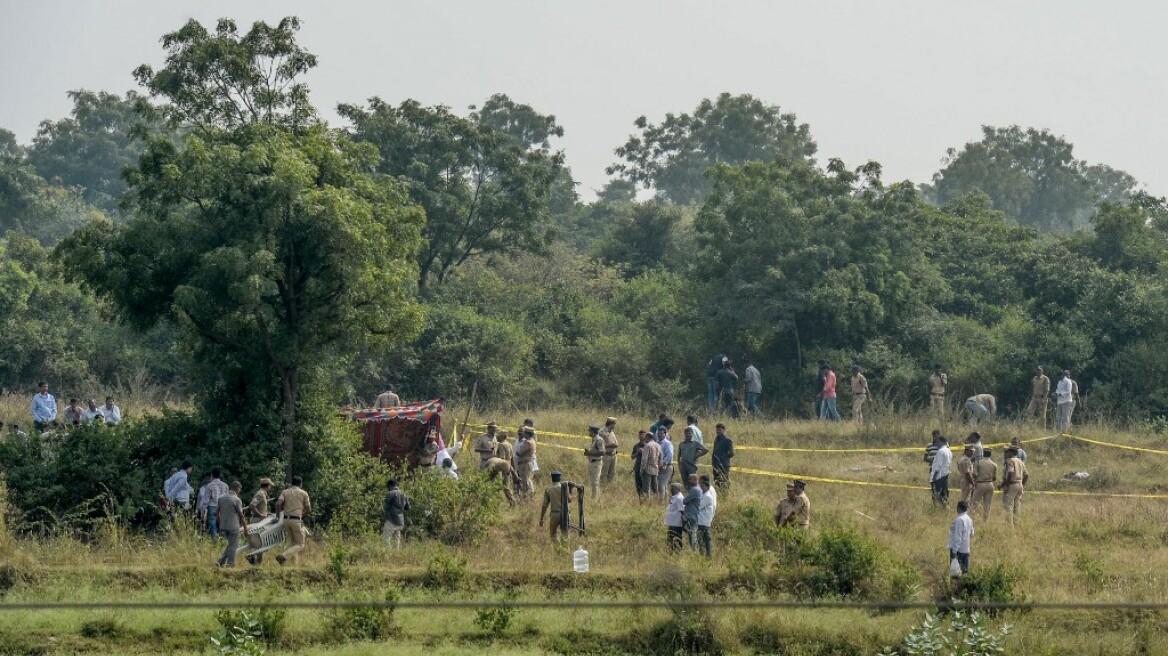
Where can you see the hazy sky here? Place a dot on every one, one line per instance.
(898, 82)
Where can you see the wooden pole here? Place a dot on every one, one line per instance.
(466, 419)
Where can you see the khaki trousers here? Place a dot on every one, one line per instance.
(858, 408)
(294, 532)
(1037, 403)
(966, 491)
(1012, 499)
(983, 495)
(937, 404)
(609, 473)
(595, 465)
(526, 485)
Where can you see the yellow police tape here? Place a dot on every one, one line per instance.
(898, 486)
(905, 449)
(1112, 444)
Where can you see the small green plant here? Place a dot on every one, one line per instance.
(102, 627)
(240, 640)
(338, 565)
(366, 622)
(1157, 425)
(446, 570)
(269, 622)
(845, 562)
(494, 620)
(996, 583)
(965, 635)
(1090, 571)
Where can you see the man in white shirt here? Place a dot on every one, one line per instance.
(939, 472)
(959, 535)
(706, 511)
(448, 453)
(1065, 396)
(753, 381)
(93, 412)
(691, 422)
(111, 412)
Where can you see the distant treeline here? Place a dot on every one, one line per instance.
(1015, 254)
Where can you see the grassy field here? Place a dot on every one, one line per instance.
(1083, 547)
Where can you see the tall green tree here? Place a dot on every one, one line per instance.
(485, 181)
(90, 148)
(262, 232)
(673, 156)
(1031, 176)
(31, 206)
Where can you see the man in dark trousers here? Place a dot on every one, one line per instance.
(723, 452)
(693, 505)
(396, 505)
(688, 453)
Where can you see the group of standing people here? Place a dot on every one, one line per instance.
(722, 386)
(45, 415)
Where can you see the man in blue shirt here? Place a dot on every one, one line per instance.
(178, 488)
(666, 474)
(44, 408)
(693, 503)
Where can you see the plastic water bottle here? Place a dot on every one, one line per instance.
(580, 560)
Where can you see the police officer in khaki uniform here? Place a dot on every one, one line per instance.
(503, 448)
(937, 383)
(553, 501)
(984, 474)
(295, 505)
(1014, 479)
(965, 473)
(258, 508)
(502, 470)
(484, 445)
(795, 510)
(595, 453)
(859, 394)
(608, 434)
(1039, 395)
(524, 461)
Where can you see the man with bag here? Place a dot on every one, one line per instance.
(959, 535)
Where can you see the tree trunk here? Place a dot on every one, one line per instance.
(289, 390)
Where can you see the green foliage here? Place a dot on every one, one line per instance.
(103, 628)
(847, 561)
(484, 181)
(996, 583)
(90, 148)
(446, 570)
(266, 623)
(965, 634)
(242, 639)
(347, 485)
(495, 620)
(366, 622)
(1032, 176)
(1091, 572)
(31, 206)
(338, 564)
(673, 156)
(453, 512)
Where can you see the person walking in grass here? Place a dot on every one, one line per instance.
(939, 472)
(860, 393)
(395, 507)
(692, 508)
(295, 503)
(675, 517)
(229, 510)
(960, 534)
(829, 409)
(688, 453)
(723, 452)
(706, 511)
(985, 472)
(1014, 479)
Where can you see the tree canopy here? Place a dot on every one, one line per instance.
(485, 181)
(1032, 176)
(672, 157)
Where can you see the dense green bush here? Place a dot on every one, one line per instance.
(995, 583)
(453, 512)
(349, 623)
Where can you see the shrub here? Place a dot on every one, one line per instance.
(454, 512)
(446, 570)
(102, 627)
(690, 633)
(338, 565)
(583, 642)
(997, 583)
(1090, 571)
(494, 620)
(267, 622)
(965, 635)
(240, 640)
(845, 562)
(365, 622)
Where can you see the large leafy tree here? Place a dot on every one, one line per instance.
(90, 148)
(262, 232)
(484, 180)
(672, 156)
(1031, 176)
(31, 206)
